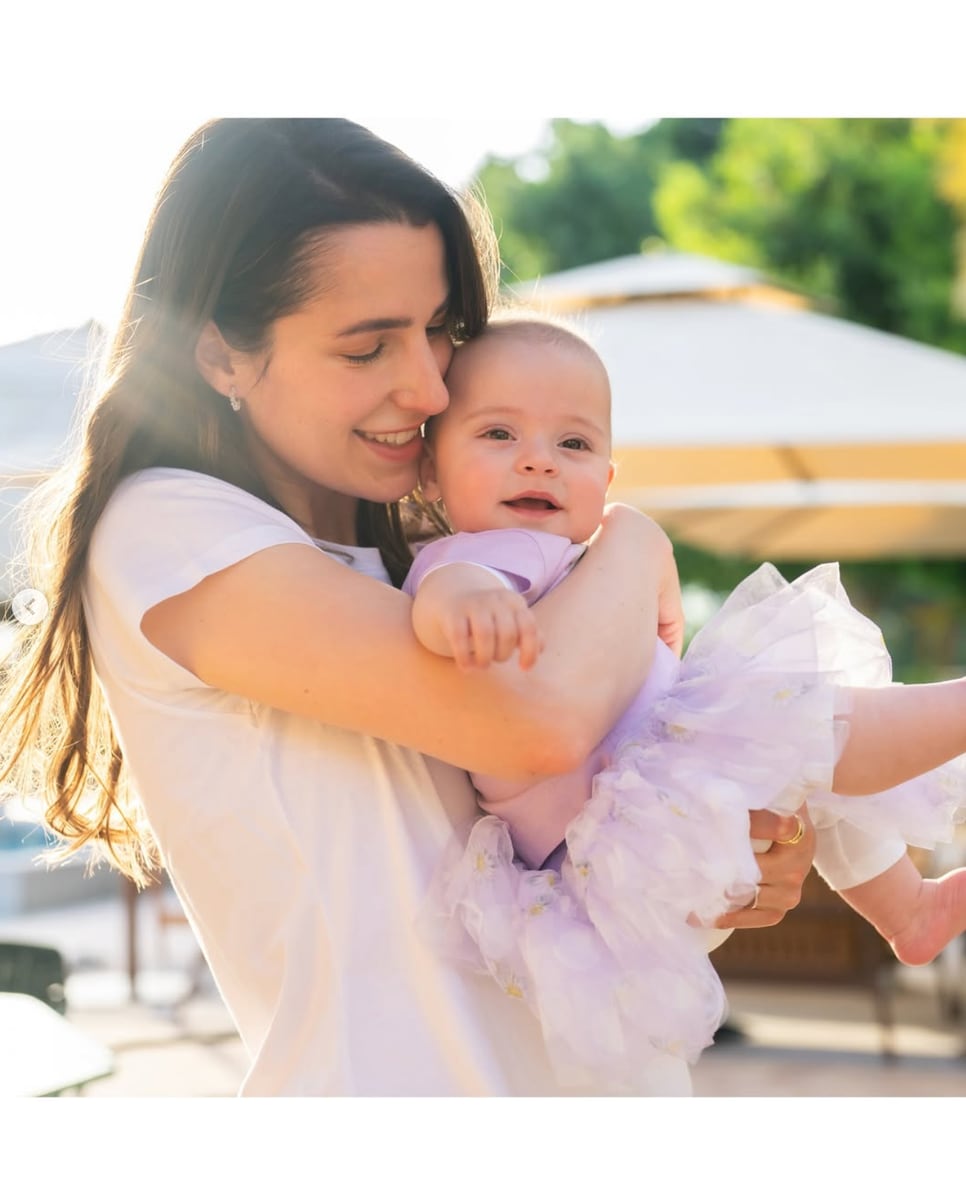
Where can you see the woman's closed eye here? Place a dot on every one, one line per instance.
(433, 332)
(371, 356)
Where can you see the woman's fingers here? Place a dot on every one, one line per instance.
(779, 827)
(784, 866)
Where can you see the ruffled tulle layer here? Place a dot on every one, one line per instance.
(606, 1017)
(606, 951)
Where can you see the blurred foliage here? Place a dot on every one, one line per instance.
(585, 195)
(920, 606)
(858, 212)
(866, 215)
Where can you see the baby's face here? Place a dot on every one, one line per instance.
(525, 440)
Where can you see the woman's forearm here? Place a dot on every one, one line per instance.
(600, 624)
(291, 629)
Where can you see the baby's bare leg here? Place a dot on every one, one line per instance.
(899, 732)
(917, 917)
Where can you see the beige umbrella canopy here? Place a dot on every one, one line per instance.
(750, 425)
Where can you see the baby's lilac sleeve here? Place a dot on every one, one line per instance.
(531, 562)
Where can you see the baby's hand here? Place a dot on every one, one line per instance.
(483, 627)
(466, 613)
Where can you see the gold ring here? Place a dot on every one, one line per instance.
(754, 903)
(797, 836)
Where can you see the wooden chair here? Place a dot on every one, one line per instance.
(167, 912)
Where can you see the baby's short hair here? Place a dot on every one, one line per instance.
(532, 325)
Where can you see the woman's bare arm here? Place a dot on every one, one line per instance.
(290, 628)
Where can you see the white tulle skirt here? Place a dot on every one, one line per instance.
(609, 951)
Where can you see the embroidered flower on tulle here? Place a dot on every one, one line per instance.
(678, 733)
(513, 986)
(545, 886)
(484, 864)
(792, 691)
(669, 804)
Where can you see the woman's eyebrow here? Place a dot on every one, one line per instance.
(375, 324)
(378, 324)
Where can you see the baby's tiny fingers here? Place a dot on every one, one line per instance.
(460, 638)
(504, 633)
(485, 639)
(530, 639)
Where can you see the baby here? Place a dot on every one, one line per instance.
(582, 893)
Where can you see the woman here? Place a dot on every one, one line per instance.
(290, 321)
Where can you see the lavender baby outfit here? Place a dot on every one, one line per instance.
(601, 942)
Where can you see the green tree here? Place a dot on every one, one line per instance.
(849, 210)
(585, 194)
(951, 137)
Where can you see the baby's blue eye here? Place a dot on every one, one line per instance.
(500, 435)
(574, 443)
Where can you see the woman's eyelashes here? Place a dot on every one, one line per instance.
(371, 356)
(433, 333)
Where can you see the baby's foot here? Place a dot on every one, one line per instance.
(938, 916)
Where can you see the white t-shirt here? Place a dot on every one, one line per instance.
(302, 853)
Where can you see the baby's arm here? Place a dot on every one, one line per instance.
(470, 614)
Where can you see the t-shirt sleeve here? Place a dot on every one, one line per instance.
(532, 562)
(164, 531)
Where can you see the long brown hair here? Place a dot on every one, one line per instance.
(228, 241)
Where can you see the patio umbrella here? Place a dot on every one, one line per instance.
(750, 424)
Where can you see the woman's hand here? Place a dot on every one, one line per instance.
(783, 869)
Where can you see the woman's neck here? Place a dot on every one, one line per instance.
(333, 525)
(325, 515)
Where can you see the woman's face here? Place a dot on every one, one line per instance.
(333, 409)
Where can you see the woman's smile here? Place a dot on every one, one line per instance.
(403, 445)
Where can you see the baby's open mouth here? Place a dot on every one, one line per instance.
(533, 504)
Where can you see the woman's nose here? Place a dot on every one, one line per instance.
(428, 392)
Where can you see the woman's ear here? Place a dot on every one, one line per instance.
(428, 483)
(215, 360)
